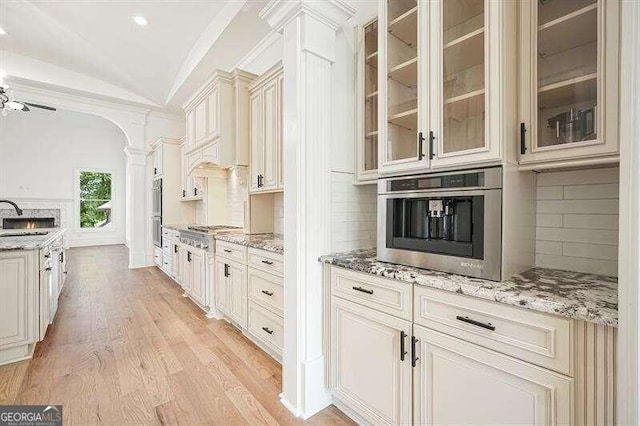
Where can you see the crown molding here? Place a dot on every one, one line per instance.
(333, 13)
(258, 49)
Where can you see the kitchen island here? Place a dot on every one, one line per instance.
(32, 273)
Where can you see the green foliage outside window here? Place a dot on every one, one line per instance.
(95, 199)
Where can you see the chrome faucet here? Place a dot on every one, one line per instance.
(15, 206)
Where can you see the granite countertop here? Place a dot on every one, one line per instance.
(269, 242)
(580, 296)
(29, 242)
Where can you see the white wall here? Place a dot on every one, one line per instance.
(577, 221)
(40, 153)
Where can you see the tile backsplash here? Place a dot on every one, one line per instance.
(353, 213)
(577, 220)
(278, 213)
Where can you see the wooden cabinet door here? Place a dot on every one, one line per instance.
(221, 287)
(457, 382)
(213, 113)
(271, 136)
(199, 277)
(17, 287)
(280, 142)
(185, 267)
(403, 89)
(157, 161)
(191, 128)
(569, 80)
(201, 121)
(367, 102)
(237, 281)
(175, 261)
(368, 371)
(257, 137)
(472, 84)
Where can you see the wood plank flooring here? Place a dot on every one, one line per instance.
(127, 348)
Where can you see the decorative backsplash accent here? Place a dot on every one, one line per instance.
(353, 213)
(237, 195)
(278, 213)
(36, 213)
(577, 220)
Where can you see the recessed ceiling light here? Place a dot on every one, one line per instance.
(140, 20)
(2, 31)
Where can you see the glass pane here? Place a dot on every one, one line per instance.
(95, 214)
(463, 71)
(567, 71)
(94, 185)
(371, 97)
(402, 81)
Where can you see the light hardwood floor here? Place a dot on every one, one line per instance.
(127, 348)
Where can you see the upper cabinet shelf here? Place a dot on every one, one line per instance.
(405, 27)
(569, 84)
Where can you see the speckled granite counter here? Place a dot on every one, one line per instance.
(28, 242)
(269, 242)
(586, 297)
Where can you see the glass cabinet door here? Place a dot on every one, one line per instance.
(463, 75)
(567, 72)
(370, 148)
(402, 81)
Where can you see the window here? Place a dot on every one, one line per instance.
(95, 199)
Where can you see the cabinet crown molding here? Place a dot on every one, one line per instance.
(333, 13)
(272, 72)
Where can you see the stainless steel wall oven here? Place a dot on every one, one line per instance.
(449, 222)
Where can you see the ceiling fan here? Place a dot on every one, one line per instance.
(8, 103)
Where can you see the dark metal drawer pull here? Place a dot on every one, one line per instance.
(403, 352)
(468, 320)
(364, 290)
(268, 293)
(267, 262)
(227, 251)
(414, 358)
(267, 330)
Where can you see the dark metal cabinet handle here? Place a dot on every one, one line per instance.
(195, 191)
(431, 139)
(403, 352)
(47, 256)
(47, 269)
(420, 148)
(414, 358)
(267, 330)
(155, 171)
(184, 193)
(268, 293)
(175, 248)
(468, 320)
(226, 270)
(523, 145)
(188, 256)
(227, 251)
(363, 290)
(267, 262)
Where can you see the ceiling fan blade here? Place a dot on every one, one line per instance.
(40, 106)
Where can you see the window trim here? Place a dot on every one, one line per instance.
(114, 216)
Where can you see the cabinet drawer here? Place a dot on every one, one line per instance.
(231, 251)
(267, 327)
(267, 289)
(541, 339)
(267, 261)
(385, 295)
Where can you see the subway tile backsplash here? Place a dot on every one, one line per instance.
(577, 220)
(353, 213)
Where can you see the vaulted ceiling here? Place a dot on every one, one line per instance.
(96, 47)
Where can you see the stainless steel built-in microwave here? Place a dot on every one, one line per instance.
(450, 222)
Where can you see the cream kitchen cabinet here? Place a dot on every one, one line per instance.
(456, 382)
(191, 187)
(231, 290)
(367, 103)
(195, 278)
(446, 84)
(266, 131)
(217, 121)
(371, 365)
(455, 359)
(569, 83)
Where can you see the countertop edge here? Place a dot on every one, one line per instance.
(51, 237)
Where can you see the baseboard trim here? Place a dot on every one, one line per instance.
(289, 406)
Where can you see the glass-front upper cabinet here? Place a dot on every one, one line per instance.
(403, 85)
(569, 58)
(473, 82)
(367, 103)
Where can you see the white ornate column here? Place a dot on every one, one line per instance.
(308, 28)
(137, 220)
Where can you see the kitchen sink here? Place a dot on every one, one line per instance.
(23, 234)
